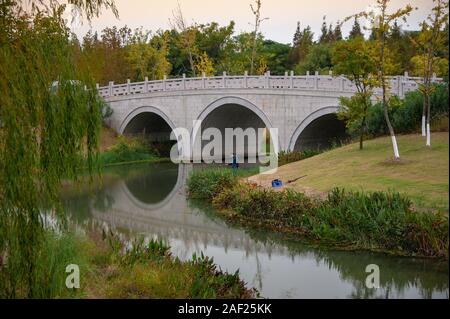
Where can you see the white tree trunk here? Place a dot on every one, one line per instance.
(423, 126)
(428, 135)
(394, 145)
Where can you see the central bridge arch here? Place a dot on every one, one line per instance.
(230, 112)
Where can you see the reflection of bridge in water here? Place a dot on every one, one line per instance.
(150, 199)
(172, 219)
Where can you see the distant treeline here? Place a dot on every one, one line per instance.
(117, 54)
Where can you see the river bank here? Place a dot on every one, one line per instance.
(422, 174)
(373, 221)
(112, 265)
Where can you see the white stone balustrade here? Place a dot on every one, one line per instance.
(399, 85)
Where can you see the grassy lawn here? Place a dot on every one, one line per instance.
(422, 173)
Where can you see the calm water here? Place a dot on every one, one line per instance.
(150, 199)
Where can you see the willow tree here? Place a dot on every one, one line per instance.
(430, 40)
(49, 122)
(382, 23)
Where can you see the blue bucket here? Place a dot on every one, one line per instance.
(277, 183)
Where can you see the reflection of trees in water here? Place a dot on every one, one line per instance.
(397, 274)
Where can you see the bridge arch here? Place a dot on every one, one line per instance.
(323, 123)
(237, 110)
(145, 110)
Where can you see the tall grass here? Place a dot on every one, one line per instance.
(146, 269)
(208, 183)
(57, 251)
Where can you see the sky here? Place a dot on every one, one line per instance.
(283, 14)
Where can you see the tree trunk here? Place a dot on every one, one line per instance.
(361, 137)
(391, 131)
(428, 120)
(386, 114)
(424, 116)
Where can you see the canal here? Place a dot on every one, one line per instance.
(150, 200)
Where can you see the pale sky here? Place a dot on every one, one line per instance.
(283, 14)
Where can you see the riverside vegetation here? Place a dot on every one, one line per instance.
(379, 221)
(113, 266)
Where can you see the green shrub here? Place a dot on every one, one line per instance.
(128, 150)
(406, 115)
(206, 184)
(211, 282)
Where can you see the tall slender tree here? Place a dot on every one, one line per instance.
(356, 31)
(431, 39)
(355, 59)
(337, 32)
(381, 24)
(256, 10)
(324, 31)
(188, 35)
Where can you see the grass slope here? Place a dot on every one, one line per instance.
(422, 173)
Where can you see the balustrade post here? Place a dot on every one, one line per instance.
(291, 86)
(316, 80)
(402, 86)
(165, 82)
(285, 82)
(268, 79)
(245, 79)
(128, 86)
(184, 81)
(342, 83)
(146, 84)
(224, 79)
(111, 83)
(203, 80)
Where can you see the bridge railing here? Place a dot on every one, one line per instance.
(399, 85)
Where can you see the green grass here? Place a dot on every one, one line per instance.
(422, 173)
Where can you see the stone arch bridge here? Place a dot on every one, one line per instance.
(302, 108)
